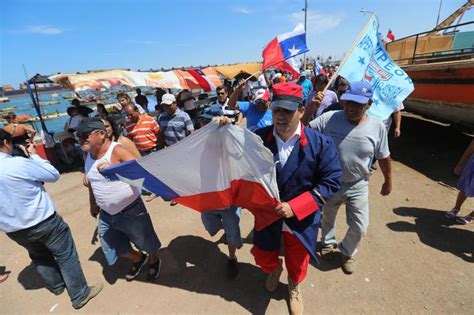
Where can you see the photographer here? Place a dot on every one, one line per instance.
(28, 216)
(22, 134)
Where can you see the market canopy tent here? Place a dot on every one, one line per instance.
(230, 72)
(39, 79)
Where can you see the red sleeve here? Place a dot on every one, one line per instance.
(303, 205)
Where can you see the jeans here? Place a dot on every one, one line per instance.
(227, 219)
(356, 197)
(134, 225)
(52, 250)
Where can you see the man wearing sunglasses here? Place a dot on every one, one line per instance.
(123, 218)
(223, 101)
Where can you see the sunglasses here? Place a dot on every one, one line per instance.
(221, 93)
(85, 136)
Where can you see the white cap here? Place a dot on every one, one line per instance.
(168, 99)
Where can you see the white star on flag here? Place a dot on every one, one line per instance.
(293, 51)
(132, 182)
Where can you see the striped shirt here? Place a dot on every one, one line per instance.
(176, 126)
(143, 133)
(232, 114)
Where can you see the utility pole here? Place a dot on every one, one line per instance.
(305, 19)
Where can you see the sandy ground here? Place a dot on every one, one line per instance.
(413, 260)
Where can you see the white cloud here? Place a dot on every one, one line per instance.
(242, 10)
(43, 29)
(317, 21)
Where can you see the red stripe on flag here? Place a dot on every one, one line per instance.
(272, 54)
(203, 83)
(286, 67)
(243, 193)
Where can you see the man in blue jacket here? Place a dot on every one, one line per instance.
(308, 173)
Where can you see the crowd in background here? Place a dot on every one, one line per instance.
(341, 144)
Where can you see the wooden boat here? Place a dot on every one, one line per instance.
(68, 96)
(441, 66)
(47, 103)
(45, 117)
(8, 109)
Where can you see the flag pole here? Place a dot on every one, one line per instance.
(252, 75)
(348, 54)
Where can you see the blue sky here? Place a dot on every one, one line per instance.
(78, 35)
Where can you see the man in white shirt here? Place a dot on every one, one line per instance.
(123, 218)
(28, 216)
(223, 100)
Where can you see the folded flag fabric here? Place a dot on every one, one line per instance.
(283, 47)
(204, 82)
(206, 79)
(213, 168)
(370, 61)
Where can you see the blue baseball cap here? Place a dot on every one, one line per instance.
(359, 92)
(211, 112)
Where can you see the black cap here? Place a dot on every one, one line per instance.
(87, 125)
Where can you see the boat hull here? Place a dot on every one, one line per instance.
(443, 91)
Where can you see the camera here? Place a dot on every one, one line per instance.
(18, 151)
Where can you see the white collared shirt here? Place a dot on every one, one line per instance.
(284, 151)
(285, 148)
(24, 201)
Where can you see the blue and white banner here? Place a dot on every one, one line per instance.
(369, 61)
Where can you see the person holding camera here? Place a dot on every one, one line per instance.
(22, 134)
(29, 217)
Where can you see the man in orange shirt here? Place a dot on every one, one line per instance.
(141, 129)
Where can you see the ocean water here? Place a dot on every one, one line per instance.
(25, 107)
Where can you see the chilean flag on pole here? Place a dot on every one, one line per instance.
(211, 169)
(280, 51)
(318, 69)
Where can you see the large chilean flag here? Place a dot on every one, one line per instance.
(278, 52)
(212, 168)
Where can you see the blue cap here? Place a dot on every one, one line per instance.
(359, 92)
(211, 111)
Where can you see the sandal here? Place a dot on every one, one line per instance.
(154, 270)
(465, 220)
(451, 214)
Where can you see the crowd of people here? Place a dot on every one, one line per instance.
(324, 146)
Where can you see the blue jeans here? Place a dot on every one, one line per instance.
(227, 219)
(52, 250)
(134, 225)
(356, 197)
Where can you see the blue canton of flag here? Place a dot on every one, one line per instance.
(293, 46)
(369, 61)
